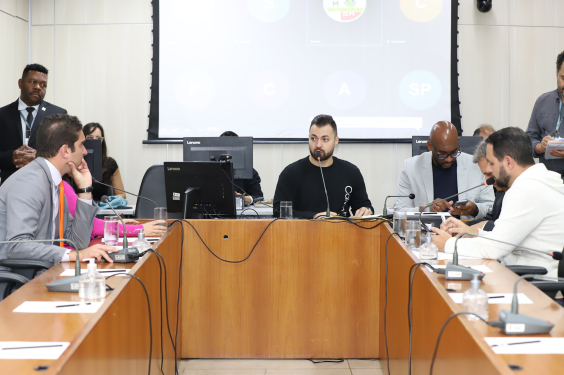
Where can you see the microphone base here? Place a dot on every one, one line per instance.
(519, 324)
(457, 272)
(66, 284)
(128, 255)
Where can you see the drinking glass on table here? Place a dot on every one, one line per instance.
(161, 214)
(286, 210)
(111, 230)
(413, 234)
(400, 220)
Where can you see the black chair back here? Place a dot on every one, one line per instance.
(153, 187)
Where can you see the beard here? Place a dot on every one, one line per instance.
(503, 180)
(324, 156)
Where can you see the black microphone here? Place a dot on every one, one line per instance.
(489, 181)
(410, 196)
(125, 255)
(135, 195)
(67, 284)
(318, 157)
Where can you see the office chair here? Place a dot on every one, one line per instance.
(549, 287)
(16, 272)
(10, 282)
(153, 187)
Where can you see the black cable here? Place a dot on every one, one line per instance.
(178, 299)
(386, 303)
(443, 328)
(166, 297)
(148, 307)
(214, 254)
(413, 269)
(248, 209)
(326, 360)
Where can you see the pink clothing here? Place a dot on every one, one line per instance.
(98, 228)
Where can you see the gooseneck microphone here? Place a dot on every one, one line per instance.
(318, 157)
(135, 195)
(66, 284)
(489, 181)
(513, 323)
(125, 255)
(410, 196)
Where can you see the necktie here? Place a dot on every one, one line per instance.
(29, 121)
(61, 212)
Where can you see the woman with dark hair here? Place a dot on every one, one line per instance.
(110, 169)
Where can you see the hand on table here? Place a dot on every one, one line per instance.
(363, 211)
(98, 251)
(155, 228)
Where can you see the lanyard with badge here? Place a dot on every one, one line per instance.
(27, 128)
(559, 122)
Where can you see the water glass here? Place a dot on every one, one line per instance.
(286, 210)
(413, 234)
(111, 230)
(161, 214)
(400, 220)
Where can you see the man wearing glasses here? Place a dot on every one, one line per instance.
(442, 172)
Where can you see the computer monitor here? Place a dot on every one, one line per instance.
(211, 192)
(211, 148)
(94, 157)
(467, 144)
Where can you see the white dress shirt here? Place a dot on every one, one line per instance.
(57, 178)
(22, 108)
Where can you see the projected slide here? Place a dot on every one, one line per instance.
(265, 68)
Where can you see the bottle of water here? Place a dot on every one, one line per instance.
(475, 300)
(92, 285)
(141, 244)
(429, 252)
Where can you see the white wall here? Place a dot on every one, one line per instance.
(99, 51)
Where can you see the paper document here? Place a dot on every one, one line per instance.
(32, 349)
(496, 298)
(65, 307)
(477, 267)
(526, 345)
(105, 273)
(555, 144)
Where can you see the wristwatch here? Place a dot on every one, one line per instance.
(477, 212)
(89, 189)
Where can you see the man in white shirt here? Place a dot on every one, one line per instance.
(532, 214)
(30, 199)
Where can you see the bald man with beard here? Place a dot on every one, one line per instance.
(441, 172)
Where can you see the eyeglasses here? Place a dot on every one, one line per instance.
(444, 155)
(91, 137)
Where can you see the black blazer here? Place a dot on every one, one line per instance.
(11, 133)
(492, 215)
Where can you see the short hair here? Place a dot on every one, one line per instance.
(55, 131)
(229, 133)
(480, 152)
(36, 67)
(324, 120)
(479, 129)
(513, 142)
(559, 60)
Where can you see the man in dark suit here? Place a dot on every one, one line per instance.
(19, 121)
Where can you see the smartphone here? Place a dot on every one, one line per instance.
(460, 203)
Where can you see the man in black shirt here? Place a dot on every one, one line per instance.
(301, 182)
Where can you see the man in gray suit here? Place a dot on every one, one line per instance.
(29, 199)
(442, 172)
